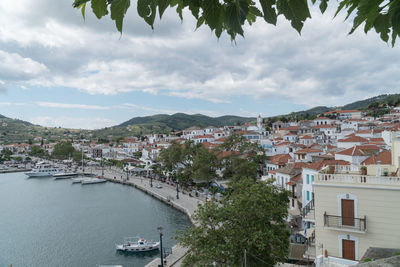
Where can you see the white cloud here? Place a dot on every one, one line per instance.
(72, 122)
(323, 66)
(73, 106)
(18, 68)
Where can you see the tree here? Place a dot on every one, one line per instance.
(63, 150)
(229, 16)
(37, 152)
(251, 219)
(240, 158)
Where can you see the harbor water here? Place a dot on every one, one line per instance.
(46, 222)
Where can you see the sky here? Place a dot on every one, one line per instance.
(57, 69)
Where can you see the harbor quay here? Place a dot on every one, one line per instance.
(167, 194)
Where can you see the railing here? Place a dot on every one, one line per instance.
(308, 207)
(358, 179)
(345, 223)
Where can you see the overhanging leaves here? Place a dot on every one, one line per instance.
(231, 15)
(118, 10)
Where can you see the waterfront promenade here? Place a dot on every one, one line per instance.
(167, 194)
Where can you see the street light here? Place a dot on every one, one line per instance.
(161, 249)
(177, 190)
(151, 180)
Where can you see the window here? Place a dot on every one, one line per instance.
(308, 195)
(312, 178)
(308, 179)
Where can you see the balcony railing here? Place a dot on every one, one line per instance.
(358, 179)
(345, 223)
(307, 208)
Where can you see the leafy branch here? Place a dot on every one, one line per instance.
(231, 15)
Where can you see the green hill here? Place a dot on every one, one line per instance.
(162, 123)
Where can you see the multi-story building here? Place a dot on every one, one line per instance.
(355, 212)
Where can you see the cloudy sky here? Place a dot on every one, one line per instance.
(58, 70)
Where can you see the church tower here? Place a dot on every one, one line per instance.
(259, 123)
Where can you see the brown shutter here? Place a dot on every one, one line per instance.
(349, 249)
(348, 212)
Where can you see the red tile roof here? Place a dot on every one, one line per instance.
(307, 150)
(321, 164)
(353, 139)
(384, 157)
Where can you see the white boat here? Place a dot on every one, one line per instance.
(137, 244)
(43, 169)
(78, 179)
(64, 175)
(93, 181)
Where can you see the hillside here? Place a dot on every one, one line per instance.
(162, 123)
(180, 121)
(19, 131)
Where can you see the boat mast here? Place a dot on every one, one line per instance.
(83, 170)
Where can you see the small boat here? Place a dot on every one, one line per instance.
(93, 181)
(78, 180)
(137, 244)
(64, 175)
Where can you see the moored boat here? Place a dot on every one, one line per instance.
(78, 180)
(93, 181)
(43, 169)
(136, 244)
(64, 175)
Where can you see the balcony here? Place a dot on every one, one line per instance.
(358, 180)
(340, 223)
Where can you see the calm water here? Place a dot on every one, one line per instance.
(54, 223)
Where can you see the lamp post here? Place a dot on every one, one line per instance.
(161, 248)
(177, 190)
(151, 180)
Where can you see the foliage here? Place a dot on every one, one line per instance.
(188, 162)
(6, 155)
(63, 150)
(240, 158)
(251, 218)
(37, 151)
(231, 15)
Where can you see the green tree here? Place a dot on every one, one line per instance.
(231, 15)
(251, 219)
(63, 150)
(37, 151)
(240, 158)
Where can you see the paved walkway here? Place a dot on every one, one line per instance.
(167, 194)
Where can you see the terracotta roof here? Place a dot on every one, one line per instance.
(353, 139)
(322, 118)
(363, 132)
(279, 159)
(307, 150)
(296, 178)
(376, 140)
(283, 144)
(323, 126)
(385, 157)
(358, 150)
(306, 137)
(321, 164)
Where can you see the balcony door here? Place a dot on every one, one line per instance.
(348, 212)
(349, 249)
